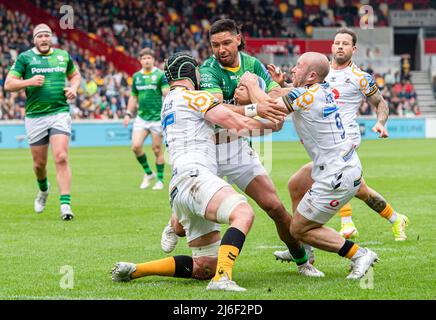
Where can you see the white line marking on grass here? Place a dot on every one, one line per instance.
(373, 243)
(270, 247)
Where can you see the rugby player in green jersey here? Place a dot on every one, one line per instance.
(148, 87)
(220, 75)
(42, 71)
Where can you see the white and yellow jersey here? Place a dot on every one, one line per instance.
(189, 137)
(350, 86)
(318, 123)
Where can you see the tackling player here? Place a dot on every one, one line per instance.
(201, 200)
(148, 87)
(336, 169)
(350, 86)
(42, 71)
(220, 75)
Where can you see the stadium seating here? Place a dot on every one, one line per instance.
(167, 27)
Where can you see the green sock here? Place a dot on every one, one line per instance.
(43, 184)
(160, 171)
(299, 255)
(65, 199)
(143, 161)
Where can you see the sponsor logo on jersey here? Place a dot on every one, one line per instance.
(329, 110)
(336, 93)
(35, 61)
(334, 203)
(147, 87)
(49, 70)
(60, 58)
(153, 78)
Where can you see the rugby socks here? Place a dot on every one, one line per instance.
(160, 171)
(65, 199)
(177, 266)
(143, 161)
(345, 213)
(389, 214)
(43, 184)
(299, 255)
(231, 246)
(351, 251)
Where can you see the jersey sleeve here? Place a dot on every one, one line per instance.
(134, 90)
(209, 81)
(260, 71)
(298, 99)
(71, 67)
(200, 101)
(19, 67)
(367, 85)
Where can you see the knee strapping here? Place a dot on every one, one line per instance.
(227, 207)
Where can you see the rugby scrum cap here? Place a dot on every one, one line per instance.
(40, 28)
(180, 66)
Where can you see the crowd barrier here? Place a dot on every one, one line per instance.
(91, 133)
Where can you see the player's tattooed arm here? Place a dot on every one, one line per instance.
(382, 108)
(376, 202)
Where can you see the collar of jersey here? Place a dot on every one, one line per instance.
(146, 73)
(36, 51)
(235, 69)
(348, 66)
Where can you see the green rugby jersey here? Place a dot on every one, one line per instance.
(55, 66)
(148, 88)
(217, 79)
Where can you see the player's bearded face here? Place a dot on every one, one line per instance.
(343, 48)
(43, 42)
(225, 48)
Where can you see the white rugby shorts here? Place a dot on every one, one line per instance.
(152, 126)
(190, 193)
(38, 130)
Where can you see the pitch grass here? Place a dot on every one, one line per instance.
(116, 221)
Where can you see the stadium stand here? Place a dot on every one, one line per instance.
(171, 26)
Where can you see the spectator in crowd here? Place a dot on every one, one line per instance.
(170, 26)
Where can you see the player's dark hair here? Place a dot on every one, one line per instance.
(146, 52)
(348, 31)
(229, 25)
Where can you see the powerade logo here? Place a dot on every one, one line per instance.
(49, 70)
(147, 87)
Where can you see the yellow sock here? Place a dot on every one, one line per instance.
(387, 211)
(345, 211)
(352, 251)
(163, 267)
(226, 259)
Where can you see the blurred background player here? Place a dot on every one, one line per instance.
(220, 75)
(200, 198)
(336, 170)
(42, 71)
(351, 86)
(148, 87)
